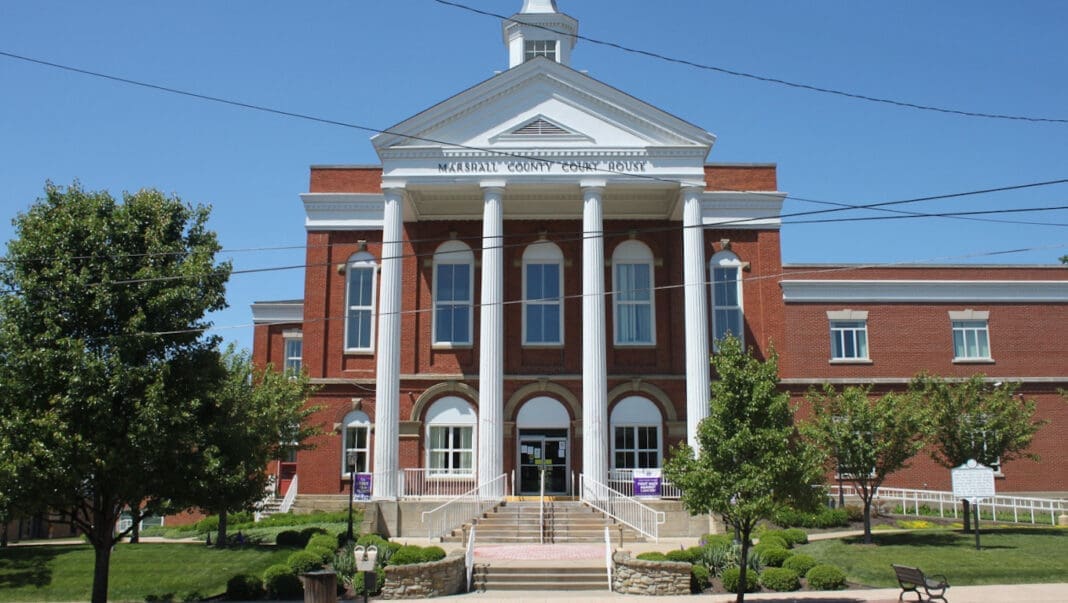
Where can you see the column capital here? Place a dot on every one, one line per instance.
(691, 187)
(589, 184)
(493, 185)
(394, 184)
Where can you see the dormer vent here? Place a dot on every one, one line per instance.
(540, 127)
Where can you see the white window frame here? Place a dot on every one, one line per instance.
(970, 324)
(633, 253)
(455, 415)
(543, 253)
(292, 364)
(720, 261)
(362, 261)
(454, 253)
(632, 414)
(854, 325)
(354, 421)
(539, 48)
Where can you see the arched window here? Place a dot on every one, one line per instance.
(360, 278)
(632, 284)
(543, 282)
(450, 438)
(355, 453)
(727, 315)
(636, 434)
(453, 291)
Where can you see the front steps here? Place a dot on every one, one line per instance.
(486, 577)
(566, 522)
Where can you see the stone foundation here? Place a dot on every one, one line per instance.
(655, 578)
(422, 580)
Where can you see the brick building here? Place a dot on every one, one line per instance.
(539, 269)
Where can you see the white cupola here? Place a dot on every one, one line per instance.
(540, 30)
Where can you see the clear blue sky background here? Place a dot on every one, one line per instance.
(376, 63)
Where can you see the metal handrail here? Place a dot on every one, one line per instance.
(433, 483)
(464, 508)
(290, 497)
(911, 500)
(622, 508)
(541, 511)
(608, 556)
(469, 557)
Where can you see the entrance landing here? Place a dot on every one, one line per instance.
(536, 498)
(534, 553)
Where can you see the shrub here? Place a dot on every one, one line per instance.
(773, 539)
(714, 539)
(310, 531)
(289, 538)
(794, 536)
(303, 562)
(732, 577)
(208, 524)
(772, 555)
(244, 587)
(323, 540)
(282, 582)
(433, 553)
(855, 513)
(799, 563)
(780, 579)
(344, 564)
(408, 555)
(652, 556)
(679, 555)
(825, 577)
(699, 579)
(324, 553)
(825, 518)
(358, 586)
(718, 557)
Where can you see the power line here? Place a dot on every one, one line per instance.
(768, 79)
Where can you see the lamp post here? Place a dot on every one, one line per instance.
(350, 458)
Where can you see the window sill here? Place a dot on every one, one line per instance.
(452, 346)
(542, 346)
(851, 361)
(973, 361)
(636, 346)
(359, 352)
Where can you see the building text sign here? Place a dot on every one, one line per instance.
(647, 482)
(973, 481)
(535, 166)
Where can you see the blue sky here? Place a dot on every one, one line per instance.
(377, 63)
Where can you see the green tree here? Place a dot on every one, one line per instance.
(254, 417)
(865, 439)
(1064, 259)
(974, 419)
(106, 371)
(751, 462)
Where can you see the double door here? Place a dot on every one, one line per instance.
(543, 450)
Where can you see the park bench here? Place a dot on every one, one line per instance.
(912, 579)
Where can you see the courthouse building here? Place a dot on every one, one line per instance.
(539, 270)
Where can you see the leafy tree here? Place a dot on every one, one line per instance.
(1064, 259)
(105, 370)
(866, 439)
(751, 462)
(973, 419)
(254, 417)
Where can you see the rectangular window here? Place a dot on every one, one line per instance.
(634, 304)
(451, 450)
(293, 352)
(636, 447)
(726, 306)
(539, 48)
(452, 304)
(971, 340)
(849, 340)
(357, 450)
(542, 304)
(358, 320)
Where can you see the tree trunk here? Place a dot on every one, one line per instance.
(220, 536)
(102, 538)
(3, 534)
(967, 506)
(135, 530)
(867, 520)
(743, 568)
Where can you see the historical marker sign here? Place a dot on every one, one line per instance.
(973, 481)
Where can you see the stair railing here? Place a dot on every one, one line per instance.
(290, 497)
(541, 510)
(608, 556)
(464, 508)
(622, 508)
(469, 557)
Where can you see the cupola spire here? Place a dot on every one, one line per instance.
(539, 29)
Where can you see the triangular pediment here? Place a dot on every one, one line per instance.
(537, 106)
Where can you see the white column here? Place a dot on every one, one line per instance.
(387, 353)
(696, 295)
(491, 341)
(594, 372)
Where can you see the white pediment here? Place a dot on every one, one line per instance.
(542, 109)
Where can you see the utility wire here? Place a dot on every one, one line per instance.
(764, 78)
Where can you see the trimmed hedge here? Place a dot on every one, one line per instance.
(732, 580)
(800, 563)
(795, 536)
(652, 556)
(282, 582)
(244, 587)
(290, 538)
(303, 562)
(772, 555)
(682, 555)
(780, 579)
(824, 518)
(825, 577)
(700, 579)
(773, 539)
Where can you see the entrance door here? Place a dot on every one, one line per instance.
(543, 450)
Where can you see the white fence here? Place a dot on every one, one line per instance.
(622, 480)
(621, 507)
(430, 483)
(1022, 509)
(462, 509)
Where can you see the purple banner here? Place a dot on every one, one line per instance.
(362, 488)
(647, 482)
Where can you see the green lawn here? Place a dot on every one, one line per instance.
(1010, 555)
(65, 573)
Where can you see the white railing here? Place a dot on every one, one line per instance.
(268, 498)
(622, 480)
(608, 556)
(541, 511)
(433, 483)
(622, 508)
(469, 557)
(462, 509)
(290, 497)
(1022, 508)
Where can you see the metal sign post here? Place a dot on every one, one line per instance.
(973, 482)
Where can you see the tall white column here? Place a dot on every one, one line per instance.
(594, 371)
(696, 304)
(387, 353)
(491, 341)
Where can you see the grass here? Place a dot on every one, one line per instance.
(65, 572)
(1009, 555)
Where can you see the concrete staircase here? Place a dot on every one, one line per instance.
(487, 577)
(568, 521)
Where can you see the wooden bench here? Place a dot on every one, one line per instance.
(912, 579)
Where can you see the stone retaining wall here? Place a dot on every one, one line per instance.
(658, 578)
(422, 580)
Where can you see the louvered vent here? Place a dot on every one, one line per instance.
(540, 127)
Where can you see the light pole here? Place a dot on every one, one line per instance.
(350, 458)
